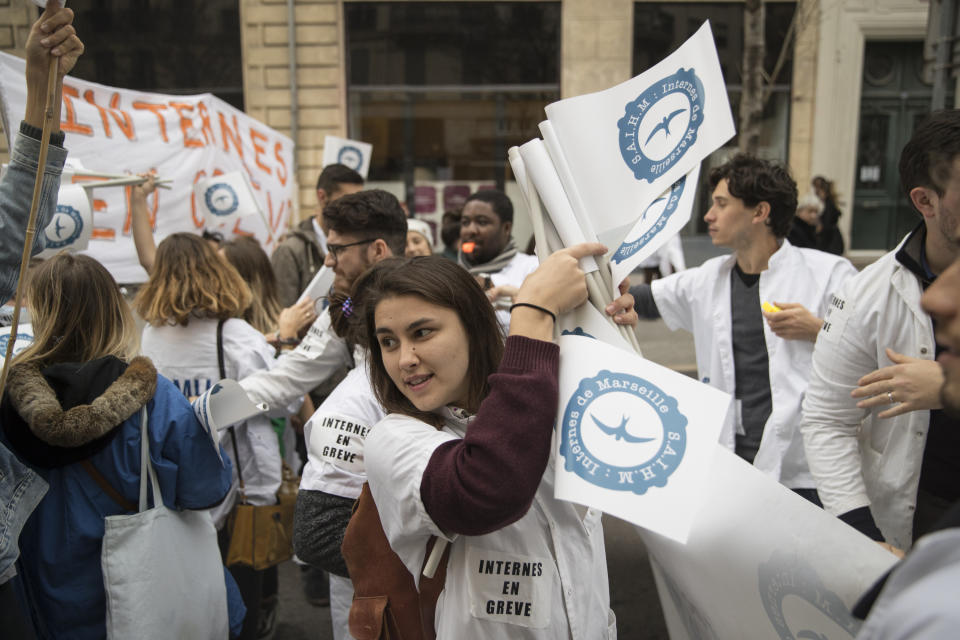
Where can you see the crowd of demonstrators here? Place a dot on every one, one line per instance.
(760, 357)
(882, 450)
(446, 420)
(298, 257)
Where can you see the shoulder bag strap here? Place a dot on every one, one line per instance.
(106, 487)
(233, 433)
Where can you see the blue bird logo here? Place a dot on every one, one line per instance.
(664, 125)
(58, 227)
(620, 431)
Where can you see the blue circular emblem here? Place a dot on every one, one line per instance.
(661, 125)
(351, 157)
(600, 411)
(786, 581)
(221, 199)
(65, 228)
(655, 226)
(5, 340)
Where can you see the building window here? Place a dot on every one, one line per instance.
(660, 27)
(442, 90)
(184, 47)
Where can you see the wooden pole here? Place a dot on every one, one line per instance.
(32, 220)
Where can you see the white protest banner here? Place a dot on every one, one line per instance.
(24, 335)
(352, 153)
(224, 199)
(762, 562)
(662, 221)
(224, 405)
(588, 322)
(184, 138)
(626, 145)
(636, 439)
(72, 222)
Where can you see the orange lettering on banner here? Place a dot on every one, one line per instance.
(205, 123)
(70, 125)
(281, 175)
(186, 123)
(233, 135)
(237, 231)
(103, 233)
(258, 149)
(125, 124)
(155, 109)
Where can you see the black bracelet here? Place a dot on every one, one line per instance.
(552, 315)
(288, 342)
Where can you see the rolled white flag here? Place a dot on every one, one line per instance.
(72, 223)
(224, 198)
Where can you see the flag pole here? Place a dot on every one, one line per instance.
(32, 219)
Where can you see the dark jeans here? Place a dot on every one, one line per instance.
(930, 509)
(251, 585)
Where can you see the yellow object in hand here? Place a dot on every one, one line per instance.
(770, 308)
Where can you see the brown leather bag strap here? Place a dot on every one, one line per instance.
(430, 589)
(106, 486)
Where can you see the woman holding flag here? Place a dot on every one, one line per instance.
(465, 452)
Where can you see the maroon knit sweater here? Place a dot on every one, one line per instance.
(488, 479)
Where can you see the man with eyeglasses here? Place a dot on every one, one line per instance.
(362, 229)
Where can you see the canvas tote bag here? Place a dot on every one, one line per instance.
(161, 568)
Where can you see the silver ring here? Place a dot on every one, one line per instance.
(890, 397)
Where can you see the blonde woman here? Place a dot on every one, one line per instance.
(193, 294)
(72, 412)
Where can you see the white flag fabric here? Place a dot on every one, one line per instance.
(224, 199)
(183, 138)
(23, 340)
(72, 223)
(661, 221)
(636, 440)
(224, 405)
(762, 562)
(626, 145)
(319, 287)
(352, 153)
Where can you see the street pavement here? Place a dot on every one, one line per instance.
(633, 594)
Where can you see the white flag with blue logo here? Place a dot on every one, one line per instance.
(72, 223)
(24, 333)
(762, 562)
(627, 145)
(351, 153)
(660, 222)
(634, 439)
(225, 198)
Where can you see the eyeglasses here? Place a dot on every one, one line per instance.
(336, 249)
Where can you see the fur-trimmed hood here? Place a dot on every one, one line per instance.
(69, 411)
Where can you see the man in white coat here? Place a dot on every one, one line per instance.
(883, 452)
(762, 357)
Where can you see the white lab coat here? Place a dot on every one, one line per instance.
(320, 354)
(513, 274)
(857, 458)
(567, 592)
(188, 356)
(698, 300)
(335, 437)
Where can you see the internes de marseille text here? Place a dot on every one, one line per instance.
(510, 607)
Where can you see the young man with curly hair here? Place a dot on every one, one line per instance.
(761, 357)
